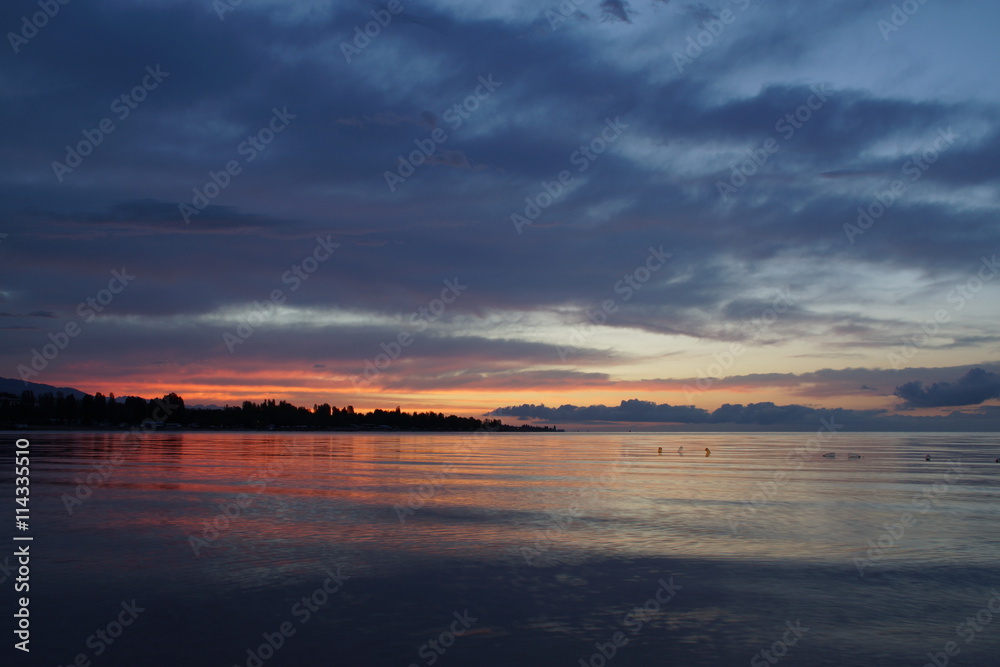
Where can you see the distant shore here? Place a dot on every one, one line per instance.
(504, 428)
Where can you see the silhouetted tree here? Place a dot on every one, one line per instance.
(100, 408)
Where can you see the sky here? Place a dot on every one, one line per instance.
(505, 207)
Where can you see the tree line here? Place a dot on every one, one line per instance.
(99, 411)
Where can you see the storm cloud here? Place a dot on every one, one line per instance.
(973, 388)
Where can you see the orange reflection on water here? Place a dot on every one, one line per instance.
(268, 496)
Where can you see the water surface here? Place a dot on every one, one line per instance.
(551, 542)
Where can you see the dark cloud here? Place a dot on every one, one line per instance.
(632, 410)
(637, 411)
(701, 12)
(457, 159)
(36, 313)
(766, 416)
(973, 388)
(769, 414)
(829, 382)
(616, 10)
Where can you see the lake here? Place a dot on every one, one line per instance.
(252, 549)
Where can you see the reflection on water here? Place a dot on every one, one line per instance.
(579, 526)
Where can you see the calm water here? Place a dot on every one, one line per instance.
(534, 549)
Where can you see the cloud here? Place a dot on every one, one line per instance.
(769, 414)
(616, 10)
(390, 119)
(456, 159)
(821, 384)
(35, 313)
(702, 13)
(628, 411)
(638, 411)
(973, 388)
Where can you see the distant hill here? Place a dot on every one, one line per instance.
(17, 386)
